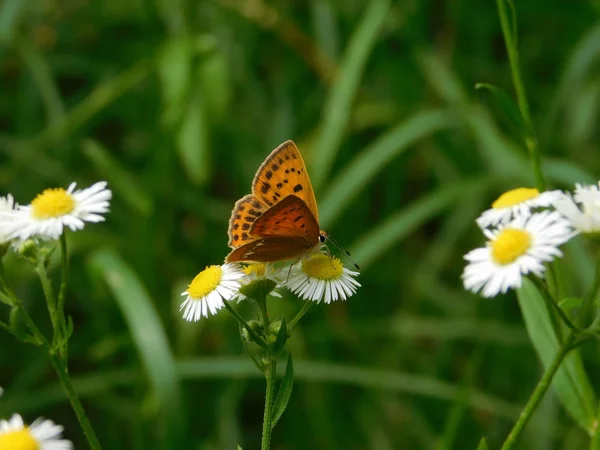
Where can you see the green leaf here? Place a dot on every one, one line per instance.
(569, 304)
(383, 236)
(508, 106)
(363, 169)
(338, 105)
(282, 335)
(149, 336)
(570, 383)
(285, 391)
(483, 444)
(193, 141)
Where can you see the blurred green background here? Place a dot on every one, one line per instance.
(176, 103)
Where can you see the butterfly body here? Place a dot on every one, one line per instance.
(279, 220)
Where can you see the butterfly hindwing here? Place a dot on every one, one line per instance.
(284, 173)
(245, 212)
(271, 248)
(290, 217)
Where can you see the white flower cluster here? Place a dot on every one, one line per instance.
(524, 229)
(51, 211)
(41, 434)
(317, 278)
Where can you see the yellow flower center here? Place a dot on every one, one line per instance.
(514, 197)
(52, 203)
(255, 268)
(509, 245)
(18, 440)
(323, 267)
(205, 282)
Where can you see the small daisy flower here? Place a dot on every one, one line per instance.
(582, 209)
(7, 206)
(56, 208)
(259, 271)
(513, 250)
(209, 288)
(513, 203)
(40, 435)
(321, 277)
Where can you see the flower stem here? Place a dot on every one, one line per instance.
(61, 370)
(65, 273)
(259, 340)
(538, 394)
(589, 299)
(300, 314)
(509, 31)
(270, 375)
(595, 442)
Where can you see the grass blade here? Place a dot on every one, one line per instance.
(570, 383)
(148, 335)
(382, 237)
(338, 106)
(361, 171)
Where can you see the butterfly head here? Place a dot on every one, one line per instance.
(323, 236)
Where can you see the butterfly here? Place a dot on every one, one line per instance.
(279, 220)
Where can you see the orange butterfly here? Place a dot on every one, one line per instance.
(279, 220)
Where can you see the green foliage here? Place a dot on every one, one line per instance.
(176, 104)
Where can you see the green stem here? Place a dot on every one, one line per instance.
(65, 273)
(595, 442)
(47, 288)
(300, 314)
(538, 394)
(270, 375)
(65, 381)
(259, 340)
(509, 32)
(590, 298)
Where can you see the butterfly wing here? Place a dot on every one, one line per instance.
(246, 210)
(269, 249)
(290, 217)
(287, 230)
(284, 173)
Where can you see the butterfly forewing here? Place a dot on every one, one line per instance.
(284, 173)
(246, 210)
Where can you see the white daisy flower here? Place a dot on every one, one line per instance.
(7, 206)
(260, 271)
(322, 277)
(209, 288)
(582, 209)
(515, 249)
(513, 203)
(40, 435)
(56, 208)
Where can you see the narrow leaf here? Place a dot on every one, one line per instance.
(282, 336)
(338, 106)
(148, 334)
(570, 383)
(483, 444)
(507, 105)
(285, 392)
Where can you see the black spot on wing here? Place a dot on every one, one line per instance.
(265, 187)
(298, 188)
(268, 174)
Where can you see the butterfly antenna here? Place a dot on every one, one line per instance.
(343, 250)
